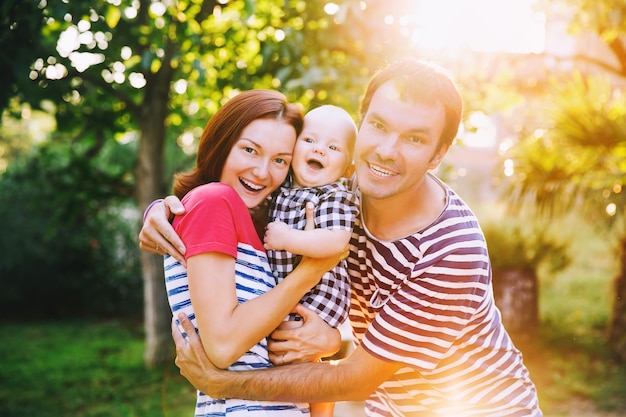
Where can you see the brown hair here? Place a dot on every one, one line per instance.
(224, 129)
(425, 82)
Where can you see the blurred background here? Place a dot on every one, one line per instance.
(103, 101)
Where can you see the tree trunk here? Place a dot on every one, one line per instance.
(150, 185)
(617, 327)
(156, 310)
(517, 296)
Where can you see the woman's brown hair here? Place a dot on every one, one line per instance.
(224, 129)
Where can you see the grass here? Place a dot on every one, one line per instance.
(95, 368)
(570, 362)
(90, 369)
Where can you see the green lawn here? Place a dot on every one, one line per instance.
(95, 368)
(88, 369)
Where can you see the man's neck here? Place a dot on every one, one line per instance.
(406, 213)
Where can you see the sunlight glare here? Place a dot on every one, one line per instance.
(480, 25)
(611, 209)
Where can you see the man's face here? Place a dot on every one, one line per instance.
(396, 144)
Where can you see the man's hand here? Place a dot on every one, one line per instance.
(157, 234)
(312, 340)
(191, 358)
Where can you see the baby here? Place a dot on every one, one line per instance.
(321, 157)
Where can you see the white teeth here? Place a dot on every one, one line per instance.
(250, 185)
(380, 171)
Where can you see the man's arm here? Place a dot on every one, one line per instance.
(351, 379)
(157, 234)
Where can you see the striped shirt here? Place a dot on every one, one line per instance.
(426, 301)
(336, 208)
(217, 220)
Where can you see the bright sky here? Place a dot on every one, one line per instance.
(480, 25)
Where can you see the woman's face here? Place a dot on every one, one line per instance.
(259, 161)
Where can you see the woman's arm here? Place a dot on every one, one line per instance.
(231, 327)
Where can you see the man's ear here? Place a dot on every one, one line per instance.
(349, 170)
(437, 158)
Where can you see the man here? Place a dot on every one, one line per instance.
(430, 339)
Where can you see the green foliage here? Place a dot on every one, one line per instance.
(68, 241)
(579, 161)
(20, 25)
(528, 247)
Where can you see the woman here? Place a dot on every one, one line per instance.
(227, 287)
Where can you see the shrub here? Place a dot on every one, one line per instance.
(68, 240)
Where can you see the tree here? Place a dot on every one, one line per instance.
(152, 72)
(576, 158)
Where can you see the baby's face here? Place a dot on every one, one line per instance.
(323, 150)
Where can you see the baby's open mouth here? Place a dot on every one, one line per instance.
(312, 163)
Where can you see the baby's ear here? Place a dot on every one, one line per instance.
(349, 170)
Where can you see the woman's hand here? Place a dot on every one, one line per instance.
(157, 234)
(310, 341)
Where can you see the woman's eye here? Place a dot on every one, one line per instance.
(248, 149)
(280, 161)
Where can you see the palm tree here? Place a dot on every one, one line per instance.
(578, 163)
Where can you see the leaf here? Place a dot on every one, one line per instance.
(113, 16)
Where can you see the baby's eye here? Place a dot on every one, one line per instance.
(333, 148)
(308, 140)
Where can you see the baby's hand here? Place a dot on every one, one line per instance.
(276, 236)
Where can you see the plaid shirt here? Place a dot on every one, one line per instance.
(336, 207)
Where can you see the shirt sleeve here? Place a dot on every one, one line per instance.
(337, 209)
(208, 224)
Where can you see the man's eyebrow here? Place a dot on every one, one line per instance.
(419, 129)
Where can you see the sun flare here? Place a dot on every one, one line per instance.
(480, 25)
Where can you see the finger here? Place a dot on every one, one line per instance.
(309, 213)
(188, 327)
(177, 335)
(345, 252)
(304, 312)
(173, 205)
